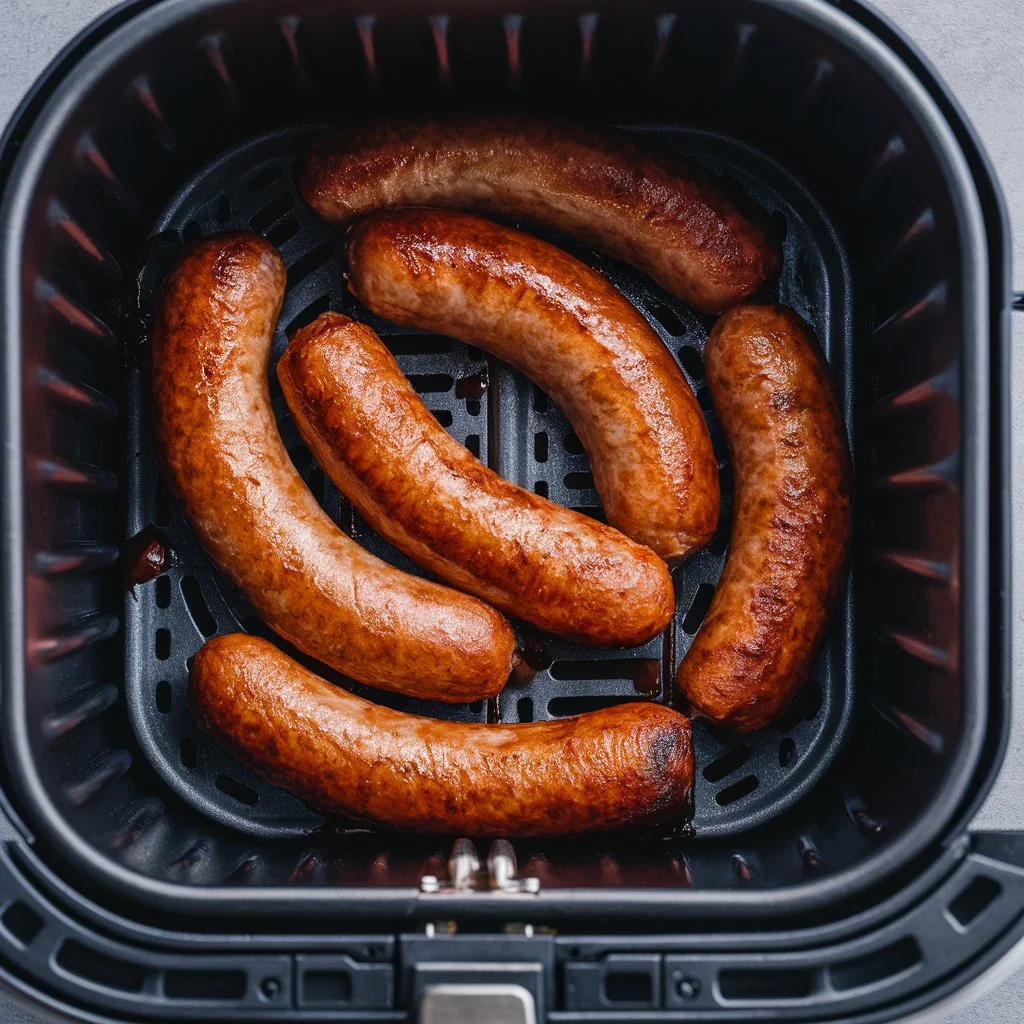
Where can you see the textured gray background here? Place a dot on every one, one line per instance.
(979, 49)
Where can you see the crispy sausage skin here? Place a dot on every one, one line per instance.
(626, 765)
(426, 494)
(791, 530)
(224, 458)
(651, 208)
(565, 327)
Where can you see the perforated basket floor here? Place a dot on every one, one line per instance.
(514, 428)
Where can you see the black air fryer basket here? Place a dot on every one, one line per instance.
(830, 874)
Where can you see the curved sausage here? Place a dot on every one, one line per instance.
(565, 327)
(694, 236)
(425, 493)
(626, 765)
(775, 399)
(256, 519)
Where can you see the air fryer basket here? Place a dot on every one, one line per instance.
(517, 430)
(91, 233)
(182, 117)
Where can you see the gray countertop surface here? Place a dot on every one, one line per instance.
(978, 48)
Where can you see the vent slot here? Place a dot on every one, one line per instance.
(212, 985)
(540, 447)
(162, 644)
(192, 592)
(274, 210)
(418, 344)
(266, 177)
(327, 987)
(563, 707)
(431, 383)
(881, 965)
(163, 696)
(313, 260)
(99, 968)
(572, 444)
(189, 753)
(728, 763)
(974, 900)
(628, 987)
(698, 608)
(668, 319)
(280, 233)
(736, 791)
(764, 986)
(318, 306)
(22, 922)
(579, 481)
(692, 362)
(239, 790)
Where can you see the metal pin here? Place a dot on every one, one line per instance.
(513, 25)
(365, 24)
(463, 864)
(588, 26)
(439, 30)
(664, 24)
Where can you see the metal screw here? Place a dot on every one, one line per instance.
(270, 988)
(687, 987)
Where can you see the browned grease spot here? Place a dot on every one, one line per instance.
(533, 658)
(647, 678)
(472, 388)
(145, 556)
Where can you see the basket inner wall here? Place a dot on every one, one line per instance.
(192, 88)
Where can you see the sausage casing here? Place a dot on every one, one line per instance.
(425, 493)
(254, 516)
(775, 399)
(626, 765)
(700, 240)
(565, 327)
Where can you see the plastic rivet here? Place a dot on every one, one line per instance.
(270, 988)
(687, 987)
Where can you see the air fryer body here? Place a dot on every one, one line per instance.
(828, 873)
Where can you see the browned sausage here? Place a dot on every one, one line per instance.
(626, 765)
(256, 519)
(651, 208)
(573, 334)
(432, 499)
(774, 396)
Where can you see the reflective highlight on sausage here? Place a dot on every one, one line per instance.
(629, 765)
(565, 327)
(699, 239)
(425, 493)
(252, 513)
(768, 618)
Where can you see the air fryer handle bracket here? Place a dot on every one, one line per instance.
(933, 948)
(889, 961)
